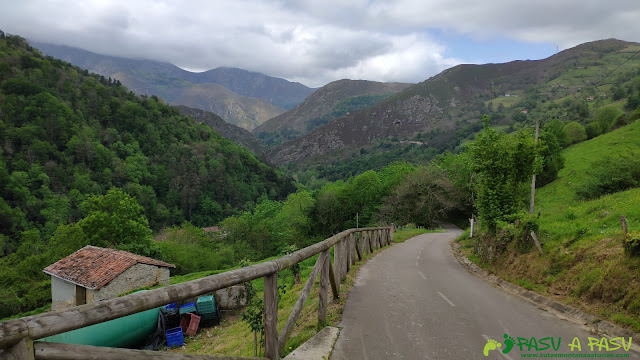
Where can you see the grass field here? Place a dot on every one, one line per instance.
(563, 216)
(584, 263)
(506, 101)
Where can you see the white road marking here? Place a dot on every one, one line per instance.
(444, 297)
(504, 355)
(421, 274)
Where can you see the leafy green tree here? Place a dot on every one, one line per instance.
(421, 198)
(556, 128)
(552, 159)
(459, 169)
(366, 195)
(593, 129)
(114, 220)
(575, 132)
(297, 215)
(502, 164)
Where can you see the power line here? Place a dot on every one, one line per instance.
(612, 71)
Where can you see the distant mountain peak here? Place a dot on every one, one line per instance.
(149, 77)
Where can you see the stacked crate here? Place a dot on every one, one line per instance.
(209, 313)
(189, 321)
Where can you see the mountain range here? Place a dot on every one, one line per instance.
(241, 97)
(446, 108)
(325, 104)
(234, 133)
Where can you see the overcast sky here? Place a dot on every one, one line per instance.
(318, 41)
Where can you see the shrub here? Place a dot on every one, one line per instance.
(575, 132)
(593, 129)
(611, 176)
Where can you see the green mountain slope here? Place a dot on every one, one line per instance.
(234, 133)
(447, 108)
(566, 216)
(325, 104)
(66, 134)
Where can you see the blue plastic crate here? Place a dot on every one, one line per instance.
(175, 337)
(188, 308)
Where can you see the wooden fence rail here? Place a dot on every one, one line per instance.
(17, 336)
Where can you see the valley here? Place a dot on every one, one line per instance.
(227, 168)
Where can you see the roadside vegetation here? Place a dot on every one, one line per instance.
(588, 261)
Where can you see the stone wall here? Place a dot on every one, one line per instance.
(137, 276)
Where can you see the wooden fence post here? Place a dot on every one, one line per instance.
(358, 242)
(623, 222)
(20, 351)
(347, 248)
(344, 258)
(322, 297)
(337, 261)
(271, 316)
(333, 279)
(391, 231)
(297, 308)
(354, 245)
(471, 233)
(364, 240)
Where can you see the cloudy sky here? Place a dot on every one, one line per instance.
(318, 41)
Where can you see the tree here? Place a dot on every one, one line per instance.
(605, 117)
(593, 129)
(552, 160)
(556, 128)
(365, 195)
(502, 164)
(424, 196)
(575, 132)
(115, 219)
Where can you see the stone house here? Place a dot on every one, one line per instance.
(93, 273)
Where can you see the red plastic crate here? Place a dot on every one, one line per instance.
(189, 323)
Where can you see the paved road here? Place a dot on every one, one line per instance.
(415, 301)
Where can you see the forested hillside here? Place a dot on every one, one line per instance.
(67, 137)
(234, 133)
(327, 103)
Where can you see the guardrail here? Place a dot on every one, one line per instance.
(17, 336)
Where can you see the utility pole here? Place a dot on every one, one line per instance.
(533, 177)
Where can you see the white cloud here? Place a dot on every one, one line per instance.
(313, 41)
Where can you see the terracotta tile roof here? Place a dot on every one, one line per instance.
(94, 267)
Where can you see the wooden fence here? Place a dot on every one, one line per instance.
(17, 336)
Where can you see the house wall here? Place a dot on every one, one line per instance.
(137, 276)
(63, 294)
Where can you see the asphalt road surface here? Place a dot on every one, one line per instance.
(415, 301)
